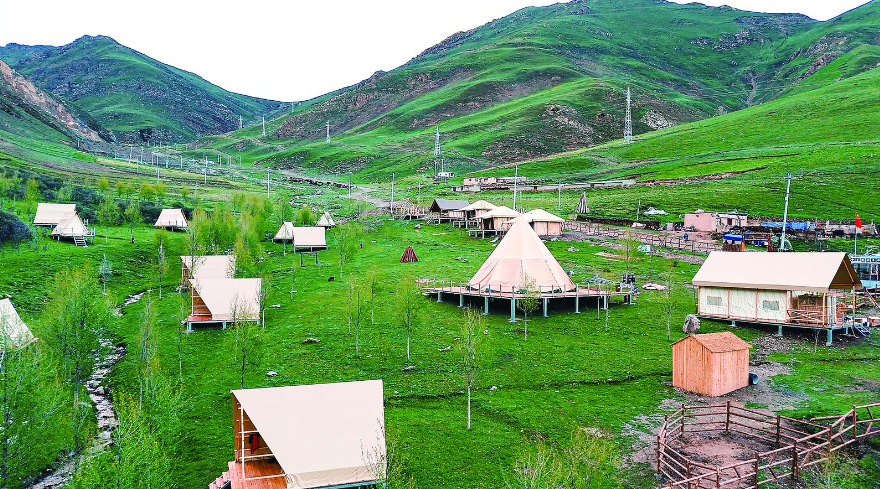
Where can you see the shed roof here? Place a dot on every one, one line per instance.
(171, 218)
(210, 266)
(51, 214)
(321, 434)
(540, 215)
(519, 256)
(230, 298)
(448, 205)
(310, 236)
(480, 205)
(13, 332)
(501, 211)
(813, 272)
(719, 342)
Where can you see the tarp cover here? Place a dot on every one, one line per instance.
(52, 214)
(14, 333)
(210, 266)
(309, 237)
(326, 221)
(230, 298)
(171, 218)
(814, 272)
(521, 255)
(322, 435)
(69, 226)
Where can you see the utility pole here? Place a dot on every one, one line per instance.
(328, 132)
(157, 171)
(515, 180)
(638, 209)
(788, 179)
(264, 126)
(559, 198)
(437, 141)
(240, 122)
(628, 123)
(206, 170)
(392, 195)
(349, 191)
(419, 201)
(267, 182)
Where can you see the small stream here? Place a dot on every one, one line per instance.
(106, 357)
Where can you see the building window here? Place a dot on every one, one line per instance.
(714, 300)
(770, 305)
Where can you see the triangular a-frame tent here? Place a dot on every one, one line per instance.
(171, 218)
(582, 207)
(52, 214)
(519, 258)
(285, 232)
(70, 226)
(14, 334)
(326, 221)
(322, 435)
(409, 255)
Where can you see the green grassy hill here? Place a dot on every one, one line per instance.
(138, 98)
(550, 79)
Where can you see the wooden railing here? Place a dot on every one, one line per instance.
(797, 444)
(658, 240)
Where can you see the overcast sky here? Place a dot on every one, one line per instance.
(289, 49)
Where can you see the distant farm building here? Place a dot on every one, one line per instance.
(711, 364)
(714, 222)
(307, 436)
(470, 181)
(14, 333)
(52, 214)
(171, 219)
(206, 267)
(224, 300)
(803, 290)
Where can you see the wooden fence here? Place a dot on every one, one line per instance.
(658, 240)
(795, 444)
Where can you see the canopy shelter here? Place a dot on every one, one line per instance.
(521, 262)
(801, 290)
(493, 219)
(477, 209)
(206, 267)
(171, 218)
(448, 209)
(326, 221)
(224, 300)
(409, 255)
(544, 223)
(52, 214)
(316, 436)
(582, 207)
(14, 334)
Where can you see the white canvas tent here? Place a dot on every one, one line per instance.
(171, 218)
(544, 223)
(52, 214)
(494, 218)
(309, 237)
(323, 435)
(326, 221)
(521, 256)
(14, 334)
(206, 267)
(285, 232)
(225, 300)
(477, 209)
(70, 226)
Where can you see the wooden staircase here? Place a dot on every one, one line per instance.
(80, 241)
(220, 482)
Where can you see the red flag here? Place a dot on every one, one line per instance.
(858, 221)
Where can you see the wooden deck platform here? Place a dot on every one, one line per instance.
(255, 470)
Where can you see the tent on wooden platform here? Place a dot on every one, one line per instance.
(409, 255)
(224, 300)
(711, 364)
(313, 436)
(326, 221)
(285, 232)
(519, 258)
(544, 223)
(171, 219)
(14, 334)
(495, 218)
(52, 214)
(477, 209)
(206, 267)
(309, 238)
(582, 207)
(71, 226)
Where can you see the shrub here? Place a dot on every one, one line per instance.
(13, 230)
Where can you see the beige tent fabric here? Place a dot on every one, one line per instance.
(309, 237)
(210, 266)
(326, 221)
(52, 214)
(324, 434)
(230, 298)
(14, 333)
(501, 211)
(540, 215)
(285, 232)
(520, 255)
(69, 226)
(813, 272)
(171, 218)
(480, 205)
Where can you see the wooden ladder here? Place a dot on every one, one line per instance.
(80, 241)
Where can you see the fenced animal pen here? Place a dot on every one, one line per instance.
(793, 445)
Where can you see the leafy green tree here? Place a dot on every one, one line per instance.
(184, 193)
(133, 216)
(349, 233)
(123, 190)
(305, 217)
(108, 215)
(528, 302)
(147, 191)
(161, 191)
(103, 185)
(408, 300)
(105, 272)
(31, 194)
(472, 326)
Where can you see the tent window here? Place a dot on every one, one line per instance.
(770, 305)
(714, 300)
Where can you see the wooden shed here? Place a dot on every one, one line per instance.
(711, 364)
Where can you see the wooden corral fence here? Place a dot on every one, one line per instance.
(658, 240)
(796, 444)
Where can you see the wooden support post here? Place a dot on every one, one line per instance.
(717, 477)
(794, 461)
(460, 300)
(727, 421)
(778, 421)
(486, 305)
(757, 469)
(577, 299)
(855, 418)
